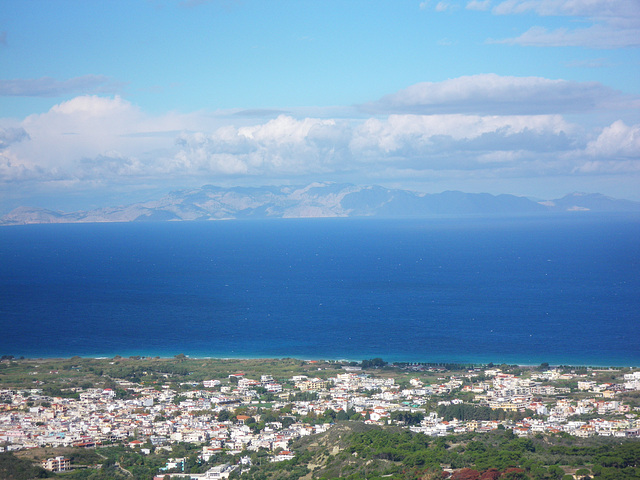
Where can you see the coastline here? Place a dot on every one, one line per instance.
(312, 360)
(151, 406)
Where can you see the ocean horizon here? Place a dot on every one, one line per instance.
(561, 289)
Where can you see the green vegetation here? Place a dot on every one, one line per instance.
(465, 412)
(374, 452)
(60, 376)
(355, 451)
(373, 363)
(13, 468)
(349, 450)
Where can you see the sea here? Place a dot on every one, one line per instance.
(561, 289)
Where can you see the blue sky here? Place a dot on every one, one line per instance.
(106, 103)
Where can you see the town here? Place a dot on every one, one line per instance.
(246, 413)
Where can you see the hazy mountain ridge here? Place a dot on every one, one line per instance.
(318, 200)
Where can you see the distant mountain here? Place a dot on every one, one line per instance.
(318, 200)
(593, 202)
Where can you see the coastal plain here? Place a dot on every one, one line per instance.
(205, 418)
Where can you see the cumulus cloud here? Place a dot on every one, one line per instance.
(111, 164)
(50, 87)
(614, 151)
(12, 135)
(616, 141)
(457, 141)
(501, 95)
(107, 139)
(613, 24)
(290, 146)
(282, 145)
(86, 137)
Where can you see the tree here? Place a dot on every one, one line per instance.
(491, 474)
(373, 363)
(466, 474)
(514, 474)
(18, 469)
(342, 415)
(555, 472)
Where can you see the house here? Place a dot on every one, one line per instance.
(273, 387)
(57, 464)
(208, 452)
(242, 419)
(219, 471)
(283, 455)
(312, 384)
(174, 464)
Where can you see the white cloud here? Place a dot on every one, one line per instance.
(106, 140)
(284, 145)
(458, 141)
(613, 23)
(12, 135)
(504, 95)
(596, 36)
(479, 5)
(616, 141)
(85, 126)
(616, 150)
(92, 106)
(89, 136)
(584, 8)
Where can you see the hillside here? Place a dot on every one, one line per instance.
(318, 200)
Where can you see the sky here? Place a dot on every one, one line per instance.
(109, 103)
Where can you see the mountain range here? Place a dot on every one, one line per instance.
(318, 200)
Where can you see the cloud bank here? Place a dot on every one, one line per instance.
(481, 126)
(500, 95)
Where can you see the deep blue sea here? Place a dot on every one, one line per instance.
(563, 289)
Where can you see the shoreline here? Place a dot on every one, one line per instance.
(345, 361)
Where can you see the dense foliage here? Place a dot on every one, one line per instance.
(402, 455)
(465, 412)
(12, 468)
